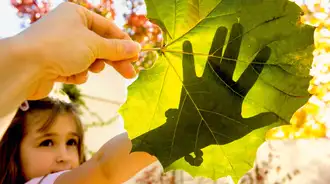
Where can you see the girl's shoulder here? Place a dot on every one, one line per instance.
(48, 179)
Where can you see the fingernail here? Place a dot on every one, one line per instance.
(133, 71)
(133, 48)
(130, 71)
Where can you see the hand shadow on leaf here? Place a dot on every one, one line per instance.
(210, 106)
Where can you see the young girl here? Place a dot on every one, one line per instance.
(44, 144)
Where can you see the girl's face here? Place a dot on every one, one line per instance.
(51, 150)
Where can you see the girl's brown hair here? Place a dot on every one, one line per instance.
(10, 168)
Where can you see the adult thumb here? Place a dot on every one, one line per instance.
(118, 49)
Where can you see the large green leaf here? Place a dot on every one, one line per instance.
(244, 69)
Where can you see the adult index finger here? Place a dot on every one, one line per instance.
(103, 26)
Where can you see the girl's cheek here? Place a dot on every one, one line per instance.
(74, 150)
(74, 156)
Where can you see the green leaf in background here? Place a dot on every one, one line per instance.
(229, 71)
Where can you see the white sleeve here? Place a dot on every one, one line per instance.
(49, 179)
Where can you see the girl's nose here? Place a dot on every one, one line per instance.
(63, 155)
(62, 160)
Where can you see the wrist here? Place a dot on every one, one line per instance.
(21, 65)
(24, 54)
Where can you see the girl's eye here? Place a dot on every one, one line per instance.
(72, 142)
(47, 143)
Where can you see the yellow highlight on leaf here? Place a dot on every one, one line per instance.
(310, 121)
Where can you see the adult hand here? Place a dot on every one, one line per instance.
(70, 41)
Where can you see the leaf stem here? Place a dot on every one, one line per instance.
(150, 49)
(208, 55)
(203, 54)
(195, 53)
